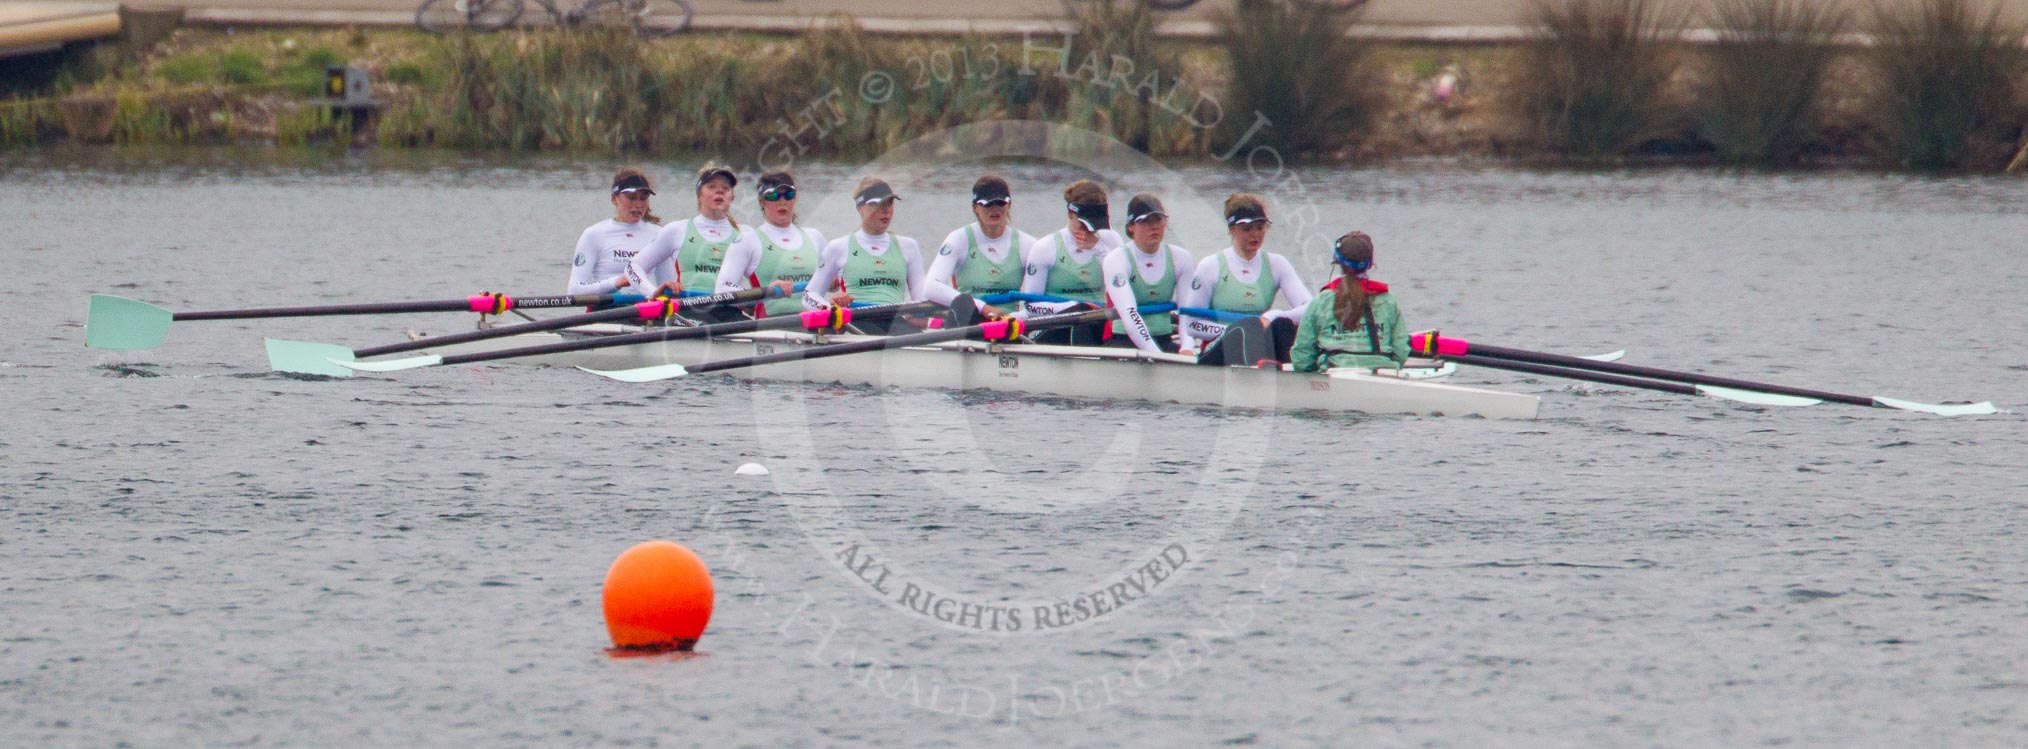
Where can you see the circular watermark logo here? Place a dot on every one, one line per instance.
(931, 434)
(1047, 525)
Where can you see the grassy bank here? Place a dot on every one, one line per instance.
(834, 91)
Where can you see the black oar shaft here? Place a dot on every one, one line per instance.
(678, 334)
(1498, 352)
(889, 342)
(1574, 374)
(556, 323)
(384, 308)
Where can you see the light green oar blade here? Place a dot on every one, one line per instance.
(1758, 399)
(306, 357)
(125, 324)
(642, 374)
(1940, 409)
(390, 365)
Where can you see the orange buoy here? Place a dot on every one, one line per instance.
(658, 598)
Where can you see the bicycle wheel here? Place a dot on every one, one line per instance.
(652, 18)
(1171, 4)
(493, 15)
(441, 16)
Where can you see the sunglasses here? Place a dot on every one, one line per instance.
(780, 192)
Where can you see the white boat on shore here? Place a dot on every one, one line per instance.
(1058, 371)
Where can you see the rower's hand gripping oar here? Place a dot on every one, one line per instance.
(306, 357)
(1005, 329)
(833, 319)
(126, 324)
(1578, 368)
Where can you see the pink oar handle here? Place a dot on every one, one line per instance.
(656, 309)
(1000, 330)
(1434, 343)
(835, 318)
(490, 304)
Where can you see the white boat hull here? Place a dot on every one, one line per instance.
(1061, 371)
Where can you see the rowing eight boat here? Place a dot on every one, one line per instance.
(1062, 371)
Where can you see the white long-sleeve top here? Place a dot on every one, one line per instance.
(941, 279)
(1126, 260)
(832, 265)
(743, 259)
(603, 252)
(660, 255)
(1204, 281)
(1041, 257)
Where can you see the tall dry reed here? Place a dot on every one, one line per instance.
(1766, 77)
(1294, 63)
(1598, 70)
(1948, 77)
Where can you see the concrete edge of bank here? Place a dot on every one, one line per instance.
(774, 24)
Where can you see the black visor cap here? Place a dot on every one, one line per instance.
(632, 183)
(991, 189)
(1143, 207)
(877, 192)
(1094, 216)
(1245, 215)
(717, 171)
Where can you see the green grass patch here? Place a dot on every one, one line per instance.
(406, 72)
(241, 67)
(185, 69)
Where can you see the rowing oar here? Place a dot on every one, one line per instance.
(835, 318)
(127, 324)
(309, 357)
(1671, 381)
(997, 330)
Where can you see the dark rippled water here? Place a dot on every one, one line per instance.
(194, 551)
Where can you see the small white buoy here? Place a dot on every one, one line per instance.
(751, 469)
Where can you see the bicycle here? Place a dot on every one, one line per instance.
(1181, 4)
(441, 16)
(649, 18)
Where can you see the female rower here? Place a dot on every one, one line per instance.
(787, 253)
(605, 248)
(1154, 271)
(1066, 265)
(691, 252)
(1244, 279)
(869, 266)
(983, 257)
(1353, 322)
